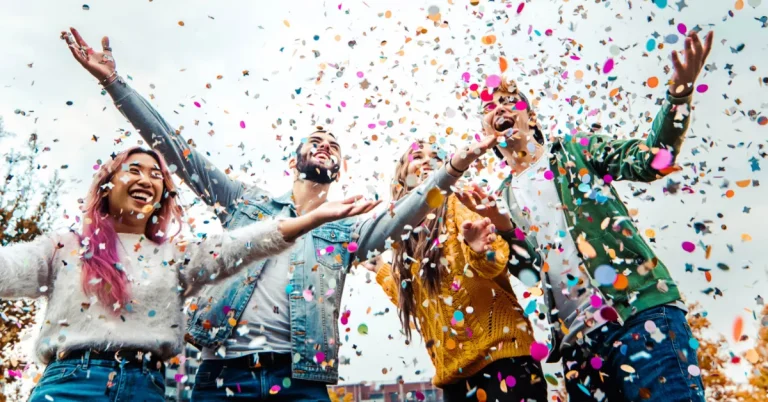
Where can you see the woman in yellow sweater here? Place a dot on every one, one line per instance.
(449, 280)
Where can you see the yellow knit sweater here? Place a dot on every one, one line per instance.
(476, 318)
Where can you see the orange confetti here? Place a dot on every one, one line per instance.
(585, 248)
(186, 152)
(621, 282)
(708, 276)
(489, 39)
(388, 14)
(739, 5)
(746, 237)
(503, 64)
(650, 233)
(481, 395)
(614, 92)
(738, 326)
(181, 23)
(288, 24)
(743, 183)
(450, 344)
(729, 193)
(579, 74)
(653, 82)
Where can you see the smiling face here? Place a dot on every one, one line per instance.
(418, 163)
(136, 188)
(319, 159)
(507, 111)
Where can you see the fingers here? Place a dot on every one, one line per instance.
(352, 200)
(697, 48)
(73, 47)
(466, 226)
(78, 38)
(105, 45)
(477, 198)
(708, 45)
(688, 51)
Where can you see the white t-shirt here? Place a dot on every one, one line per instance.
(539, 201)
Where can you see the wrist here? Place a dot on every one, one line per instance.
(105, 81)
(502, 223)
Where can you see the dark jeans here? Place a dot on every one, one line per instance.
(240, 381)
(637, 365)
(102, 379)
(519, 386)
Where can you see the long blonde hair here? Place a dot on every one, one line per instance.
(418, 247)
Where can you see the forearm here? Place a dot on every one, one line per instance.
(670, 124)
(293, 228)
(209, 183)
(410, 210)
(223, 255)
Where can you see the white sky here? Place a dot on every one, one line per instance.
(174, 63)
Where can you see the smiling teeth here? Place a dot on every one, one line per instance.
(141, 195)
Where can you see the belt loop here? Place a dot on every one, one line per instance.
(144, 367)
(86, 359)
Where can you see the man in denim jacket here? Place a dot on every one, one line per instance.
(274, 328)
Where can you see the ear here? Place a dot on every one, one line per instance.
(292, 163)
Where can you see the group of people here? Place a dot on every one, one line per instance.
(265, 294)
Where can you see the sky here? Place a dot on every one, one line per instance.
(382, 74)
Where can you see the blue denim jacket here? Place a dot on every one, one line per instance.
(320, 259)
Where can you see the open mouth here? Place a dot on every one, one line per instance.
(142, 196)
(503, 123)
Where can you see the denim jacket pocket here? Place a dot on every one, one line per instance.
(246, 213)
(330, 247)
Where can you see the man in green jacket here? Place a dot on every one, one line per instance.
(617, 318)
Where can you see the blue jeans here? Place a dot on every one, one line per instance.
(88, 379)
(655, 364)
(238, 380)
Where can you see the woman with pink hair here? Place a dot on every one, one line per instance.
(116, 290)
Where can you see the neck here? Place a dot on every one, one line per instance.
(517, 154)
(130, 225)
(308, 195)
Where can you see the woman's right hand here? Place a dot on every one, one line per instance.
(100, 64)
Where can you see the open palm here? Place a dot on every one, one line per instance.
(100, 64)
(479, 235)
(685, 73)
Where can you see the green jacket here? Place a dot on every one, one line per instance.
(596, 216)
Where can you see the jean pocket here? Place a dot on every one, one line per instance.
(206, 376)
(57, 373)
(157, 381)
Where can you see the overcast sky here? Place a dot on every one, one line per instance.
(349, 65)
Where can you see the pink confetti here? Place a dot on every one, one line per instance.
(564, 75)
(596, 363)
(607, 179)
(197, 104)
(320, 357)
(465, 77)
(329, 249)
(308, 296)
(702, 88)
(548, 32)
(343, 104)
(584, 141)
(372, 125)
(539, 351)
(596, 301)
(519, 234)
(420, 396)
(360, 74)
(574, 57)
(493, 81)
(520, 8)
(511, 381)
(474, 87)
(521, 105)
(275, 389)
(178, 377)
(608, 67)
(682, 28)
(226, 310)
(549, 175)
(486, 96)
(352, 247)
(662, 160)
(96, 167)
(688, 246)
(242, 124)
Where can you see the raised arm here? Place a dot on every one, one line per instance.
(26, 268)
(223, 255)
(633, 159)
(373, 233)
(208, 182)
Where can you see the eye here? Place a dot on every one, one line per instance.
(157, 175)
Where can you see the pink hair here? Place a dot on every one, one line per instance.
(101, 276)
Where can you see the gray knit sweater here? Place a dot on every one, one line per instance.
(160, 276)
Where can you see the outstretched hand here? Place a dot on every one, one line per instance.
(479, 235)
(477, 201)
(685, 74)
(335, 210)
(463, 160)
(100, 64)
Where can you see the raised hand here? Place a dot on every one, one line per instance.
(479, 235)
(477, 201)
(335, 210)
(100, 64)
(684, 76)
(461, 161)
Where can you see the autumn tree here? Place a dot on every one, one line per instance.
(27, 209)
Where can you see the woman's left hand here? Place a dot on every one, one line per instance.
(477, 201)
(479, 235)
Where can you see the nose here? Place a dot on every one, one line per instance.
(144, 181)
(325, 146)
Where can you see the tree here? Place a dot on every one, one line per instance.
(27, 209)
